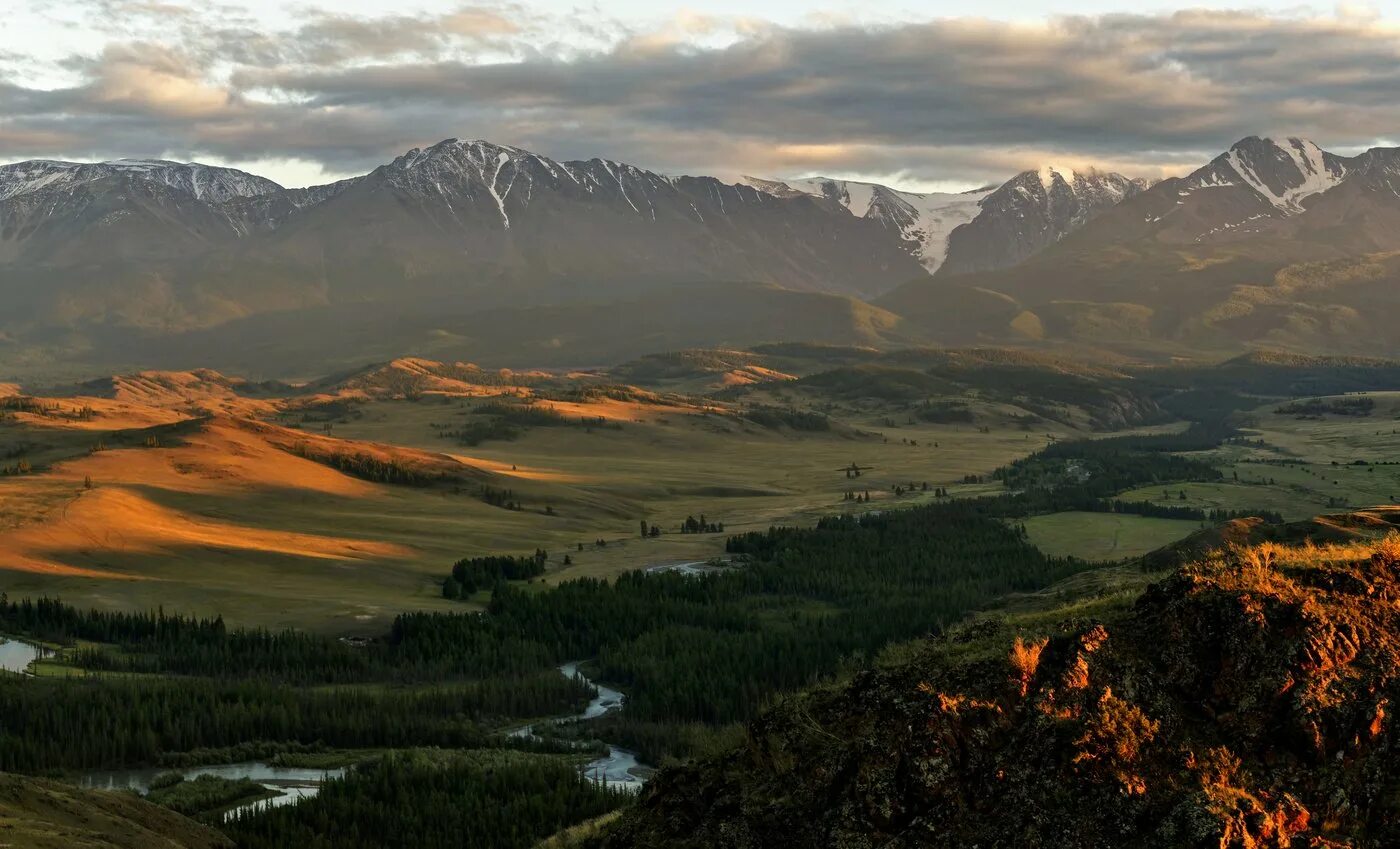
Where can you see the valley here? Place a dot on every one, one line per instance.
(341, 503)
(372, 579)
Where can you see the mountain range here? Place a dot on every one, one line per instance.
(1273, 243)
(472, 249)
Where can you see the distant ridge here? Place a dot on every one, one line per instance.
(468, 250)
(1275, 244)
(987, 228)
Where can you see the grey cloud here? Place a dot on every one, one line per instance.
(333, 38)
(953, 99)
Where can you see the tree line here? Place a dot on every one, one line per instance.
(433, 801)
(108, 722)
(159, 643)
(477, 573)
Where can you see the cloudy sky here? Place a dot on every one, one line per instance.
(913, 93)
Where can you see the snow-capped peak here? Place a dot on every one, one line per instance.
(1081, 180)
(854, 195)
(509, 177)
(1105, 186)
(1283, 171)
(475, 149)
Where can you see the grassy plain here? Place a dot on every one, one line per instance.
(135, 508)
(1104, 536)
(1304, 466)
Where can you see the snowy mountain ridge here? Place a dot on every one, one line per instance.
(208, 183)
(1283, 172)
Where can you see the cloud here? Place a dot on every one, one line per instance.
(153, 80)
(336, 38)
(963, 100)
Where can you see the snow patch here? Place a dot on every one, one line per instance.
(1213, 180)
(501, 159)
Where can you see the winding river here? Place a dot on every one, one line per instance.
(619, 767)
(291, 784)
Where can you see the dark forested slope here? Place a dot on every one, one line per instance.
(1244, 701)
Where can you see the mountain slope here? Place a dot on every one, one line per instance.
(1032, 211)
(466, 217)
(117, 216)
(71, 213)
(132, 250)
(1258, 190)
(40, 814)
(983, 229)
(1274, 243)
(1242, 702)
(202, 182)
(315, 340)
